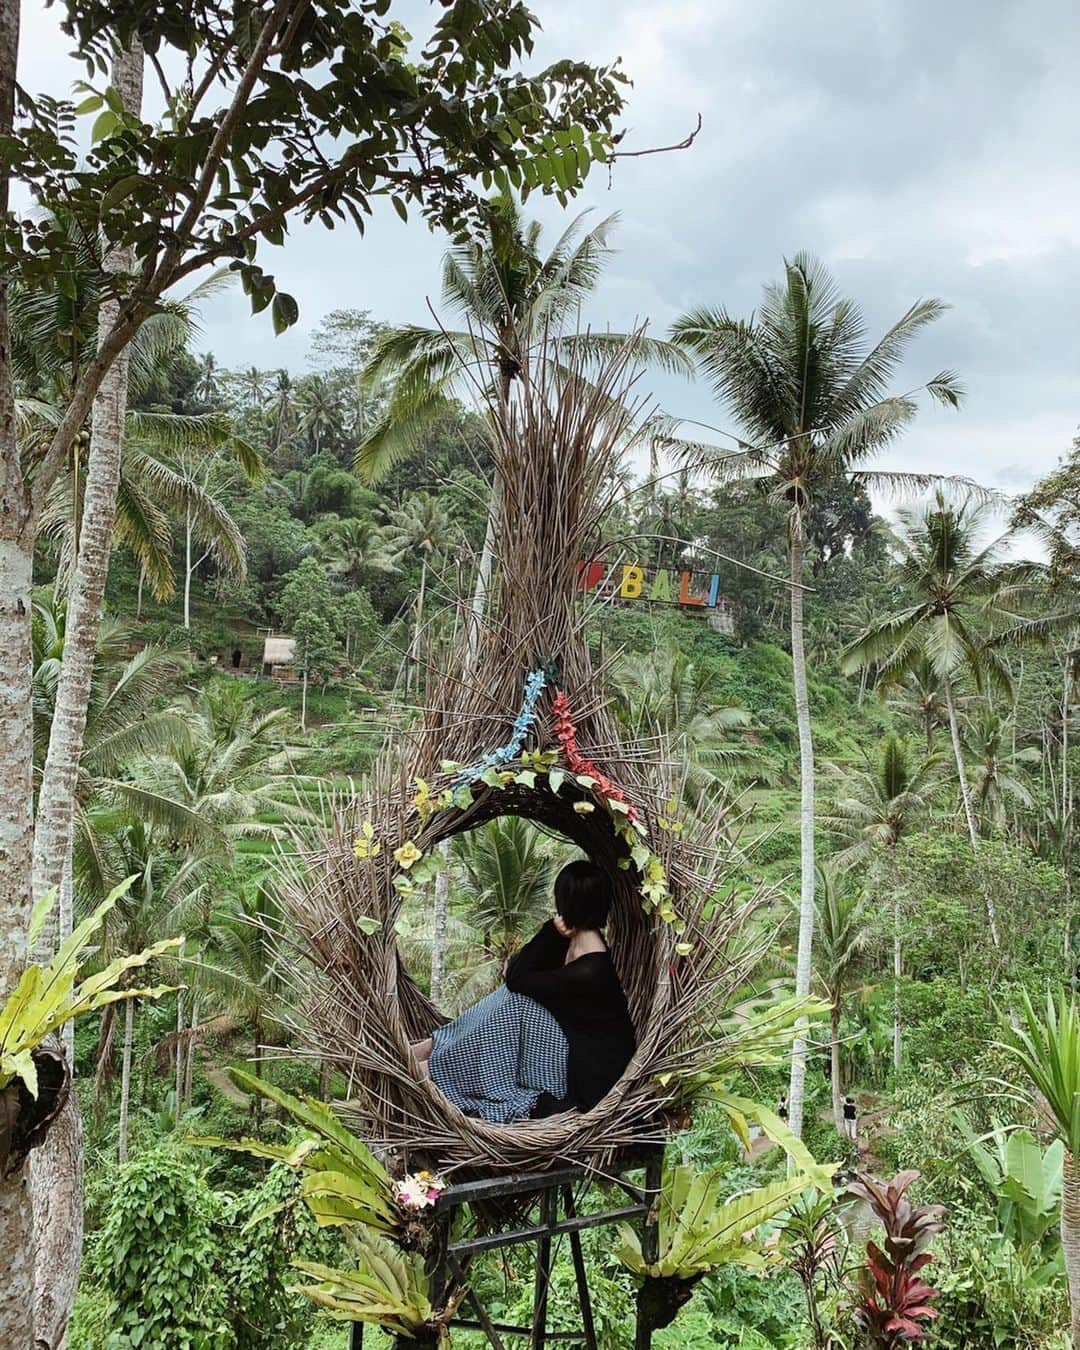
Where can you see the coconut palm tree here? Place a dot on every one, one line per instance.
(992, 764)
(232, 774)
(876, 809)
(320, 410)
(957, 580)
(670, 693)
(507, 867)
(419, 529)
(917, 693)
(239, 970)
(1046, 1049)
(808, 393)
(353, 546)
(207, 385)
(843, 927)
(116, 845)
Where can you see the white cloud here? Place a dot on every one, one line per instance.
(922, 149)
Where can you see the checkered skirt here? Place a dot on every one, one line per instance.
(496, 1059)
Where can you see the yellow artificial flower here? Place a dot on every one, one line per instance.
(584, 808)
(407, 854)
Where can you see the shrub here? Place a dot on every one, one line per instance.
(157, 1258)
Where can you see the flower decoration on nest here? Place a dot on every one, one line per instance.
(566, 734)
(503, 755)
(420, 1190)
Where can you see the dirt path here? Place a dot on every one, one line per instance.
(227, 1087)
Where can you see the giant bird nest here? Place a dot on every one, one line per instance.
(675, 915)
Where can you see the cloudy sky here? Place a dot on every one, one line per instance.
(921, 149)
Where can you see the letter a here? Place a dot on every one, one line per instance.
(661, 590)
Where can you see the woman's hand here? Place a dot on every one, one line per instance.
(562, 927)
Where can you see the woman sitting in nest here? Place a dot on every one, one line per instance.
(557, 1035)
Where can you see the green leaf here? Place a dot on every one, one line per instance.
(367, 924)
(105, 125)
(556, 778)
(285, 312)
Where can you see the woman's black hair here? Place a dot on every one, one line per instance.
(583, 895)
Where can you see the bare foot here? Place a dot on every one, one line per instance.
(421, 1050)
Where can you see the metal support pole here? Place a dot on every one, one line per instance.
(650, 1241)
(549, 1214)
(580, 1275)
(356, 1339)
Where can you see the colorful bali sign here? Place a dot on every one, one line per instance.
(630, 581)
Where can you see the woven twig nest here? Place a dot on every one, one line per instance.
(524, 683)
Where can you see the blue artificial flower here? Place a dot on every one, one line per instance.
(534, 685)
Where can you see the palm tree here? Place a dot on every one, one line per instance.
(240, 970)
(232, 775)
(992, 763)
(670, 693)
(207, 385)
(880, 806)
(284, 392)
(809, 397)
(116, 845)
(1047, 1051)
(253, 382)
(843, 930)
(956, 581)
(421, 528)
(916, 692)
(353, 546)
(506, 292)
(319, 406)
(171, 466)
(508, 868)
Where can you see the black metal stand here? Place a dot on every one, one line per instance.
(544, 1210)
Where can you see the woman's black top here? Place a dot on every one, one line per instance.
(587, 1000)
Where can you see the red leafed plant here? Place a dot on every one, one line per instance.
(894, 1300)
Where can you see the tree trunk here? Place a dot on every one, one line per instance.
(1070, 1239)
(418, 625)
(16, 745)
(797, 1085)
(257, 1065)
(187, 570)
(303, 702)
(441, 922)
(52, 832)
(484, 570)
(178, 1065)
(125, 1078)
(56, 1186)
(897, 971)
(834, 1059)
(56, 1182)
(965, 797)
(67, 923)
(189, 1057)
(138, 598)
(1067, 832)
